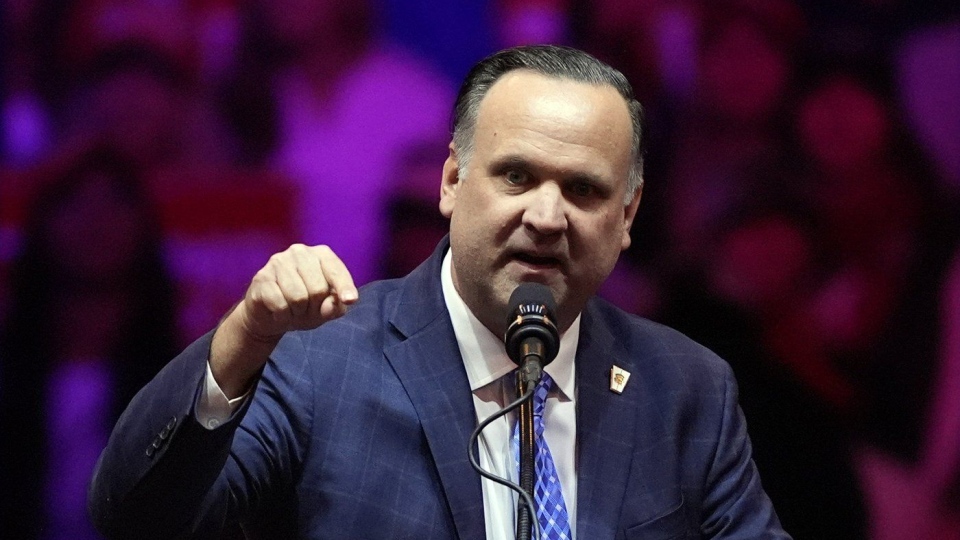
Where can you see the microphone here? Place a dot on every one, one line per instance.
(532, 340)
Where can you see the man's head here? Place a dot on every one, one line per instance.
(543, 178)
(553, 61)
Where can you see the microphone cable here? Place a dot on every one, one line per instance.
(527, 499)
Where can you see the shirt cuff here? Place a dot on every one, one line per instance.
(214, 407)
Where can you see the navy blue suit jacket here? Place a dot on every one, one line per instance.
(359, 429)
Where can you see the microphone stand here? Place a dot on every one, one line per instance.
(531, 341)
(528, 451)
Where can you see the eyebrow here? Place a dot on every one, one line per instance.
(511, 161)
(515, 161)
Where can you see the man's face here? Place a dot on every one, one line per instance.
(543, 197)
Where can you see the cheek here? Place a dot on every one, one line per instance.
(486, 219)
(471, 235)
(598, 242)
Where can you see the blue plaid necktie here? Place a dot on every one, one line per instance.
(551, 510)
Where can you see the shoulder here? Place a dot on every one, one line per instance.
(650, 340)
(663, 360)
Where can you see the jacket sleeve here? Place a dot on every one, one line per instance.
(735, 504)
(163, 475)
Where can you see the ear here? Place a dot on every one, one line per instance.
(449, 183)
(629, 212)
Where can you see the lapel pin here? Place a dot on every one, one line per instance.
(618, 379)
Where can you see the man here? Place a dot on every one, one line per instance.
(357, 425)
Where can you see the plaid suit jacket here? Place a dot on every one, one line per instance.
(359, 429)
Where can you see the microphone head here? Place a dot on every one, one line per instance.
(532, 309)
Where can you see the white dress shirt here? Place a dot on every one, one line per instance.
(489, 371)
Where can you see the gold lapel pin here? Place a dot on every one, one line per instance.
(618, 379)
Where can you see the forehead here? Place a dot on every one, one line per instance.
(560, 118)
(524, 90)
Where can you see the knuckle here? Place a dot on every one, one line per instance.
(298, 297)
(271, 304)
(258, 282)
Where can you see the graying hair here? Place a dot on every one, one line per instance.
(553, 61)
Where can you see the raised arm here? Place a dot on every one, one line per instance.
(298, 289)
(163, 474)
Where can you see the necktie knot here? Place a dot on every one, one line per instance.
(541, 393)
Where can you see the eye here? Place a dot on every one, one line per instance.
(582, 189)
(516, 177)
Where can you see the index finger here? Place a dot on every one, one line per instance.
(336, 274)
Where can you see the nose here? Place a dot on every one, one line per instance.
(545, 212)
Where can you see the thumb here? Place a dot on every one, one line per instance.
(332, 308)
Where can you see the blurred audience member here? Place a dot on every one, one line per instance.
(741, 305)
(732, 141)
(873, 199)
(414, 224)
(139, 100)
(415, 229)
(911, 463)
(885, 242)
(130, 73)
(332, 106)
(92, 320)
(746, 53)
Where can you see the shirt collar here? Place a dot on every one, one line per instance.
(484, 355)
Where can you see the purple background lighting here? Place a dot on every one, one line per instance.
(801, 214)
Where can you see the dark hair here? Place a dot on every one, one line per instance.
(553, 61)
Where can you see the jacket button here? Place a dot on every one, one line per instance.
(167, 429)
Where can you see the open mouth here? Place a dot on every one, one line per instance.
(537, 261)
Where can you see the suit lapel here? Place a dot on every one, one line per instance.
(606, 423)
(428, 363)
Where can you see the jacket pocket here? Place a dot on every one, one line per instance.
(669, 526)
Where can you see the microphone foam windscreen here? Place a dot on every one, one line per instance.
(531, 293)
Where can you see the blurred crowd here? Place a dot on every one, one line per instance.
(801, 213)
